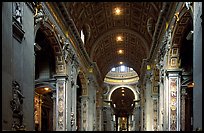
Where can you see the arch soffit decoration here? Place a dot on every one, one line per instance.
(127, 86)
(184, 17)
(50, 32)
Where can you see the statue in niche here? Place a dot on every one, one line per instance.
(18, 12)
(16, 106)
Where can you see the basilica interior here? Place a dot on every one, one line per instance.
(101, 66)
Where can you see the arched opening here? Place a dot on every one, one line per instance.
(44, 83)
(123, 96)
(43, 108)
(44, 57)
(123, 103)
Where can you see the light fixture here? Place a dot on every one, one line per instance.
(122, 91)
(117, 11)
(46, 88)
(119, 38)
(120, 51)
(123, 94)
(114, 105)
(120, 62)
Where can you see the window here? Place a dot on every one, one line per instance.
(113, 69)
(82, 36)
(122, 68)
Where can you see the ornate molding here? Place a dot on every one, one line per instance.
(16, 105)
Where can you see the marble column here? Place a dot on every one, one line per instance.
(54, 110)
(142, 118)
(173, 107)
(161, 102)
(68, 102)
(74, 87)
(109, 124)
(197, 66)
(183, 97)
(165, 105)
(71, 92)
(84, 106)
(137, 118)
(99, 118)
(92, 103)
(148, 104)
(60, 102)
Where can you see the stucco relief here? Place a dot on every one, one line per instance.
(61, 105)
(173, 104)
(155, 117)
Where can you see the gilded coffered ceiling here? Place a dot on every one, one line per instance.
(134, 23)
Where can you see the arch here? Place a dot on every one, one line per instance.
(127, 86)
(50, 32)
(116, 31)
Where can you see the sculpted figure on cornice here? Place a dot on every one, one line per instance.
(69, 54)
(39, 13)
(66, 50)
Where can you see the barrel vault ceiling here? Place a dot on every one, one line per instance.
(102, 25)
